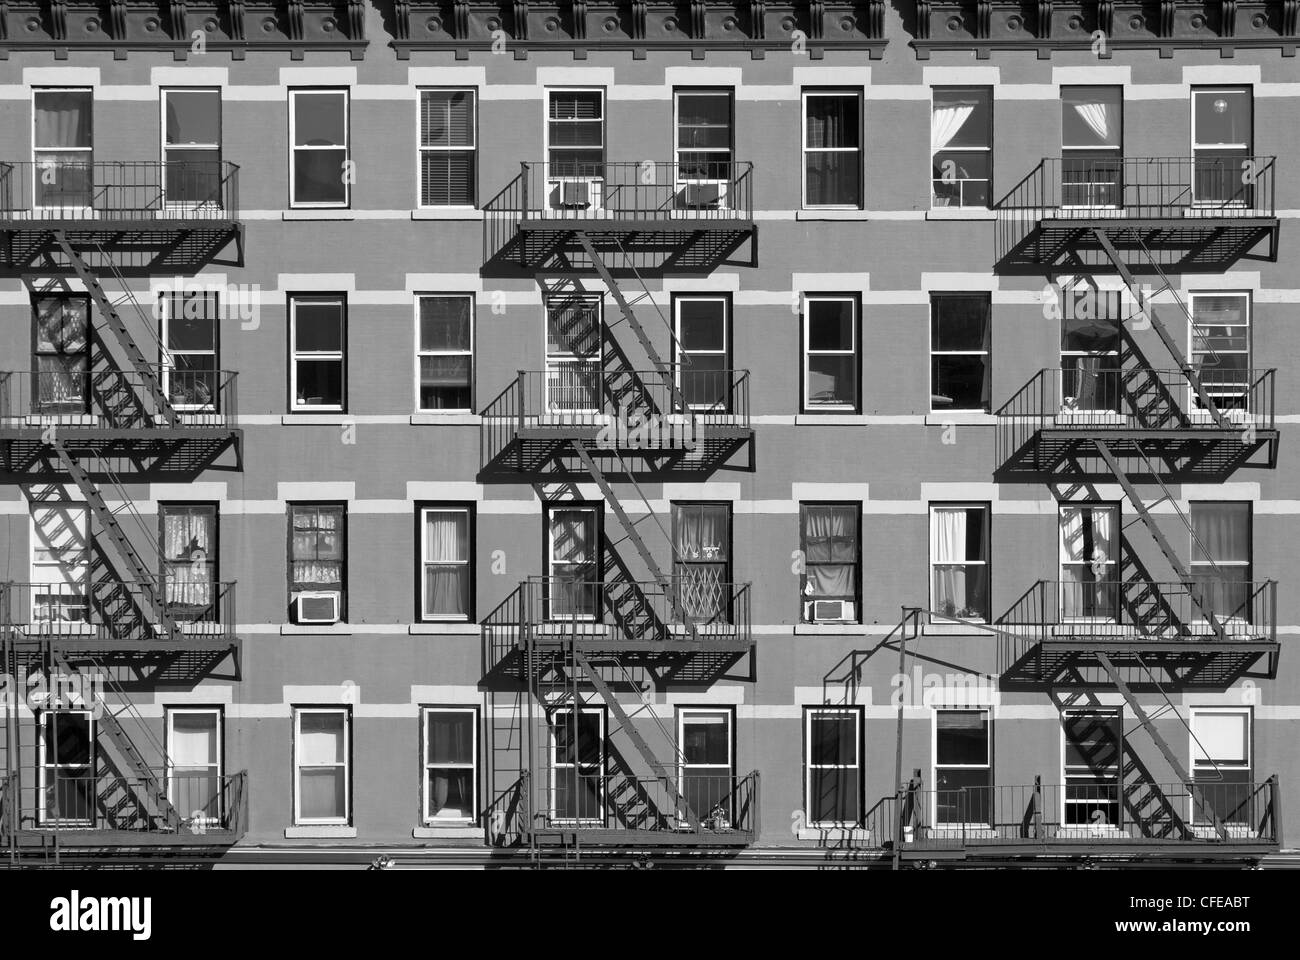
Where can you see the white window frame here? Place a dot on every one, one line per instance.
(421, 149)
(554, 362)
(1112, 562)
(426, 714)
(809, 713)
(1249, 148)
(1070, 288)
(594, 513)
(682, 353)
(169, 354)
(331, 355)
(425, 563)
(43, 775)
(728, 154)
(1117, 713)
(1202, 763)
(552, 806)
(595, 188)
(1193, 401)
(346, 147)
(40, 209)
(806, 404)
(217, 768)
(935, 765)
(72, 580)
(857, 95)
(345, 766)
(988, 151)
(964, 507)
(164, 147)
(1118, 152)
(420, 352)
(988, 354)
(684, 715)
(1197, 560)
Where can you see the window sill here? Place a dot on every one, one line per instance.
(831, 419)
(828, 629)
(960, 213)
(447, 213)
(835, 834)
(314, 629)
(450, 628)
(463, 419)
(325, 213)
(953, 629)
(831, 215)
(452, 831)
(321, 832)
(316, 419)
(968, 418)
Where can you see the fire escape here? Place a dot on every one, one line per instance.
(85, 773)
(1115, 624)
(584, 652)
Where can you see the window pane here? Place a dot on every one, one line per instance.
(1091, 117)
(318, 327)
(319, 119)
(834, 738)
(446, 591)
(63, 118)
(832, 121)
(703, 324)
(447, 118)
(1089, 334)
(191, 323)
(445, 323)
(960, 323)
(961, 737)
(1223, 117)
(1221, 737)
(573, 536)
(322, 794)
(67, 738)
(962, 118)
(706, 739)
(451, 794)
(960, 383)
(1223, 529)
(832, 380)
(833, 795)
(193, 116)
(446, 536)
(447, 178)
(451, 737)
(830, 324)
(834, 179)
(194, 739)
(318, 176)
(445, 383)
(320, 383)
(321, 738)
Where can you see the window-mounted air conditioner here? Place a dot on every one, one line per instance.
(829, 611)
(321, 607)
(575, 193)
(701, 196)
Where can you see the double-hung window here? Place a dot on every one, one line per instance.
(961, 146)
(832, 359)
(1223, 140)
(60, 564)
(192, 147)
(1221, 348)
(573, 544)
(1221, 765)
(318, 551)
(68, 795)
(318, 350)
(1221, 559)
(1089, 552)
(63, 151)
(705, 141)
(961, 353)
(963, 768)
(445, 352)
(832, 558)
(707, 767)
(446, 563)
(319, 174)
(1090, 342)
(833, 766)
(575, 344)
(703, 338)
(1092, 147)
(575, 149)
(61, 355)
(959, 560)
(194, 764)
(832, 149)
(448, 148)
(577, 787)
(188, 533)
(702, 534)
(322, 766)
(190, 328)
(1094, 751)
(450, 765)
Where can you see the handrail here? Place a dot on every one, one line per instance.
(109, 608)
(111, 399)
(105, 190)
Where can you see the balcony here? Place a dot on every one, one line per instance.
(1175, 213)
(165, 214)
(1049, 426)
(530, 425)
(646, 217)
(1206, 633)
(1089, 818)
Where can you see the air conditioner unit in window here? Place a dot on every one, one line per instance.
(829, 611)
(322, 607)
(701, 195)
(575, 193)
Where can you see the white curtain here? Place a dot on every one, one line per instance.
(187, 547)
(948, 536)
(945, 122)
(446, 575)
(1098, 118)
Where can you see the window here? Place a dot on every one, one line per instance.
(963, 770)
(959, 560)
(573, 543)
(961, 331)
(322, 761)
(445, 353)
(1092, 147)
(574, 353)
(318, 166)
(448, 154)
(68, 771)
(191, 147)
(1089, 551)
(702, 536)
(833, 778)
(60, 564)
(318, 546)
(190, 323)
(61, 348)
(1221, 348)
(831, 358)
(1094, 748)
(1090, 342)
(446, 561)
(1223, 139)
(188, 535)
(1221, 559)
(1221, 752)
(832, 557)
(707, 767)
(194, 764)
(450, 765)
(961, 146)
(577, 785)
(575, 134)
(62, 147)
(832, 149)
(318, 348)
(705, 136)
(704, 351)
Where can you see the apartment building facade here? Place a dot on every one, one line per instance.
(577, 433)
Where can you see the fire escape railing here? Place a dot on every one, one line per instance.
(113, 399)
(114, 608)
(65, 189)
